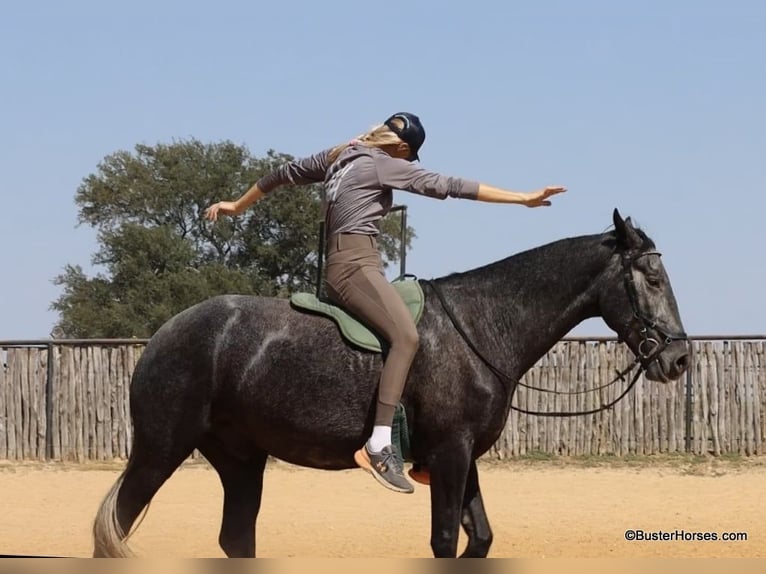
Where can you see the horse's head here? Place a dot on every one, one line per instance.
(637, 302)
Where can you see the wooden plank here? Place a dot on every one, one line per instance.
(562, 426)
(87, 395)
(732, 398)
(554, 423)
(120, 450)
(80, 410)
(585, 381)
(108, 387)
(133, 356)
(738, 399)
(71, 416)
(590, 383)
(67, 402)
(513, 425)
(739, 381)
(705, 356)
(746, 370)
(598, 399)
(554, 382)
(707, 379)
(547, 428)
(671, 390)
(606, 416)
(522, 402)
(698, 430)
(705, 422)
(42, 414)
(98, 403)
(14, 406)
(615, 418)
(662, 416)
(62, 405)
(572, 381)
(536, 404)
(90, 394)
(20, 402)
(717, 372)
(758, 398)
(591, 442)
(57, 397)
(113, 445)
(4, 386)
(578, 380)
(30, 397)
(32, 421)
(26, 404)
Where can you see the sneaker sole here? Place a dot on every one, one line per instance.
(363, 461)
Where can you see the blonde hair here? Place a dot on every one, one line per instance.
(378, 136)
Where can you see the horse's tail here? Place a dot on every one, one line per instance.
(108, 538)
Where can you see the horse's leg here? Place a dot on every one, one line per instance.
(168, 421)
(474, 518)
(449, 468)
(148, 468)
(242, 482)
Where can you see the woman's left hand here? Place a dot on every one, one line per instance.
(540, 198)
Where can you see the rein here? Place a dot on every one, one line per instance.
(643, 360)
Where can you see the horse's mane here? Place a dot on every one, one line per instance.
(563, 247)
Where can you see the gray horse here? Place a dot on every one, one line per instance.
(241, 378)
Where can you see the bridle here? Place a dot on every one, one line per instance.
(644, 358)
(655, 347)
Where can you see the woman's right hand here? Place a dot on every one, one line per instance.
(222, 207)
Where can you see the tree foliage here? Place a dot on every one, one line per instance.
(159, 255)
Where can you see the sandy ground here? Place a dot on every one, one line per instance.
(537, 509)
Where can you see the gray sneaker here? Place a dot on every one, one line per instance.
(386, 467)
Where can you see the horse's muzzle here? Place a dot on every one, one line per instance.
(670, 363)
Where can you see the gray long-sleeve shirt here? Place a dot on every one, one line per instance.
(359, 185)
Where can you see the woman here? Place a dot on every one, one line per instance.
(359, 178)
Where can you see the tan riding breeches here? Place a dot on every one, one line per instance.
(355, 281)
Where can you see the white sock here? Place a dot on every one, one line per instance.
(381, 437)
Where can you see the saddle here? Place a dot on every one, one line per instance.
(353, 330)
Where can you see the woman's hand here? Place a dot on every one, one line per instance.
(540, 198)
(222, 207)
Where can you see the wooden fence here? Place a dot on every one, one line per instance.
(75, 406)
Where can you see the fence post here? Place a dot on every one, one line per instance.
(49, 404)
(688, 413)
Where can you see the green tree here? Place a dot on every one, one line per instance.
(160, 255)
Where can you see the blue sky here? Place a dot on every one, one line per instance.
(654, 107)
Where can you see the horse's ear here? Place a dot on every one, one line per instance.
(626, 233)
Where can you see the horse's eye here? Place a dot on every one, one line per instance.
(653, 280)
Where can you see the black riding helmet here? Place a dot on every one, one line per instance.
(412, 133)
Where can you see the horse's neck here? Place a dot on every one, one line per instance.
(515, 310)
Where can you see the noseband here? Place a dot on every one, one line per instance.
(649, 348)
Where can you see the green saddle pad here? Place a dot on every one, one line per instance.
(354, 331)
